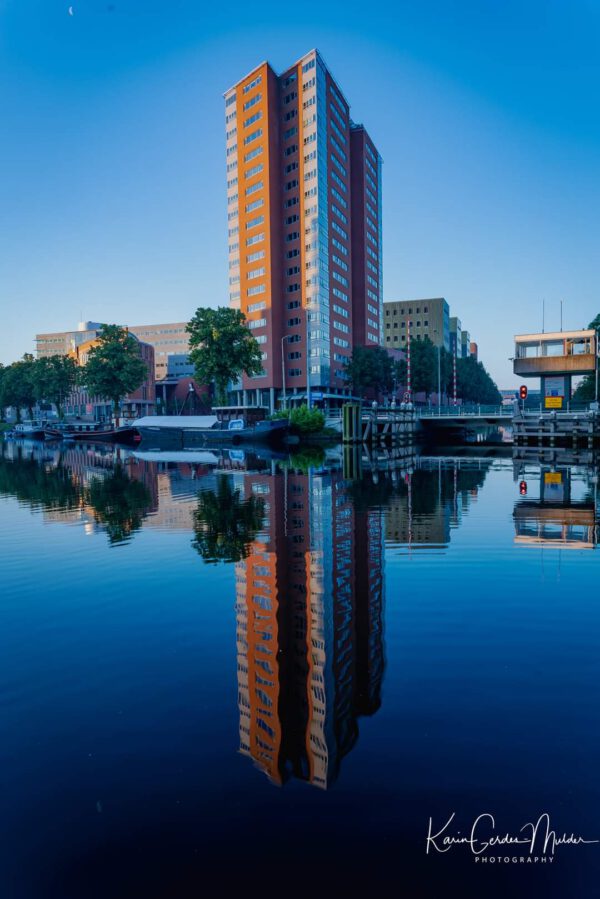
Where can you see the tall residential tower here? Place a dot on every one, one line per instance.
(304, 221)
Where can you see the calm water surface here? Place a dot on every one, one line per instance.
(228, 671)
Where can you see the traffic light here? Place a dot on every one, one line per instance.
(523, 488)
(523, 392)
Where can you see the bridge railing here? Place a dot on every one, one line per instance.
(464, 411)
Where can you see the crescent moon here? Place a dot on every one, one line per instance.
(70, 10)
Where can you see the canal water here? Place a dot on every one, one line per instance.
(223, 671)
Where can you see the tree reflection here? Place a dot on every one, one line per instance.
(118, 503)
(225, 524)
(41, 486)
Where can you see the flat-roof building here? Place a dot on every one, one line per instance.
(304, 228)
(428, 318)
(170, 342)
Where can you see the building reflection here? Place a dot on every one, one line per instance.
(431, 500)
(557, 509)
(309, 611)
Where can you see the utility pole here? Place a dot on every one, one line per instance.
(454, 371)
(408, 372)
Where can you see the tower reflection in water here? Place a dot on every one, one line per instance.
(309, 611)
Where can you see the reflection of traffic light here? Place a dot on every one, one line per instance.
(523, 392)
(523, 488)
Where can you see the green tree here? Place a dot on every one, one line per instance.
(114, 366)
(474, 384)
(119, 503)
(423, 366)
(370, 367)
(225, 524)
(18, 385)
(54, 378)
(222, 348)
(39, 485)
(586, 391)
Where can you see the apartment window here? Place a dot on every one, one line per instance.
(249, 103)
(253, 118)
(254, 187)
(293, 270)
(296, 354)
(256, 238)
(292, 253)
(341, 327)
(338, 165)
(231, 150)
(293, 304)
(253, 154)
(310, 102)
(252, 223)
(291, 167)
(292, 322)
(261, 338)
(339, 197)
(337, 277)
(290, 132)
(339, 262)
(339, 213)
(339, 246)
(292, 218)
(310, 139)
(337, 148)
(255, 170)
(292, 288)
(291, 149)
(293, 201)
(250, 207)
(291, 184)
(254, 135)
(256, 273)
(253, 291)
(254, 257)
(340, 311)
(294, 372)
(230, 100)
(257, 323)
(290, 115)
(256, 307)
(252, 84)
(231, 133)
(289, 97)
(339, 230)
(293, 235)
(308, 66)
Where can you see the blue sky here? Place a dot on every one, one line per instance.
(112, 195)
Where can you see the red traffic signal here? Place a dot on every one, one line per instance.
(523, 488)
(523, 392)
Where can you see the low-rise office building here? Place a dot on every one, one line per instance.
(428, 318)
(169, 341)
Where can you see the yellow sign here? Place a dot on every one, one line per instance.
(552, 477)
(554, 402)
